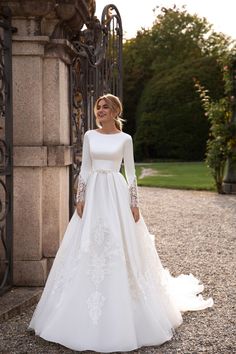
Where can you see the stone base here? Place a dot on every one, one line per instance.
(30, 272)
(18, 300)
(229, 188)
(50, 263)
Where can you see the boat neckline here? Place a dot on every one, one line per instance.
(107, 133)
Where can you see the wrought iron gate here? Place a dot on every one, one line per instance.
(96, 70)
(6, 182)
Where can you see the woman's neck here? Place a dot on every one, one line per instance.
(109, 128)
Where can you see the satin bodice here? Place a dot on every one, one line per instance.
(106, 150)
(105, 153)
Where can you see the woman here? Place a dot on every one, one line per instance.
(107, 290)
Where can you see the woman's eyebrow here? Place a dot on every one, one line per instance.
(103, 105)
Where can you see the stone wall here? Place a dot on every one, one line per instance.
(42, 154)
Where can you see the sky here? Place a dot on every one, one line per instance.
(136, 14)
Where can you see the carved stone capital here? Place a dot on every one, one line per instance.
(57, 19)
(60, 48)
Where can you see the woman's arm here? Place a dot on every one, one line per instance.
(131, 177)
(85, 171)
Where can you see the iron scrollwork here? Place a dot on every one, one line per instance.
(6, 185)
(96, 70)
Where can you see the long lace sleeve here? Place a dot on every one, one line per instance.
(85, 170)
(130, 172)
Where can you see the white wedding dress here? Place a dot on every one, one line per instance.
(107, 290)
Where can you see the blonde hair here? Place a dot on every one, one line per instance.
(115, 105)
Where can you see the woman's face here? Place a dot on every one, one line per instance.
(104, 112)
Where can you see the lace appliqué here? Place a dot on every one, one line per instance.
(103, 251)
(147, 283)
(95, 304)
(133, 191)
(80, 195)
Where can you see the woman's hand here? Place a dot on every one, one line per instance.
(135, 212)
(80, 208)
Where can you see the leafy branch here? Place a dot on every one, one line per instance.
(222, 140)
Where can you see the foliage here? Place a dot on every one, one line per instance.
(138, 54)
(171, 123)
(222, 139)
(162, 109)
(177, 35)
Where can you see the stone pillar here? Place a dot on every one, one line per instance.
(41, 156)
(56, 136)
(41, 153)
(29, 158)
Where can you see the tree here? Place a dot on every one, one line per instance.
(137, 55)
(221, 143)
(159, 95)
(177, 124)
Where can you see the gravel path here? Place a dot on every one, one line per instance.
(195, 232)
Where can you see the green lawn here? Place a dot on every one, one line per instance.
(179, 175)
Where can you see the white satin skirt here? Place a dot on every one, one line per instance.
(107, 289)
